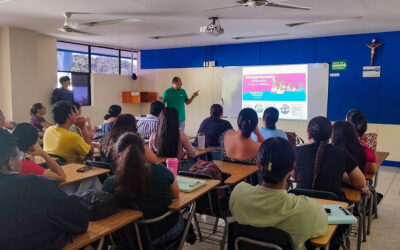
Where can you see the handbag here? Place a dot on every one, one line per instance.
(101, 204)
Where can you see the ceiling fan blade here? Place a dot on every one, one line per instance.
(223, 8)
(325, 21)
(4, 1)
(174, 36)
(114, 21)
(258, 36)
(71, 30)
(287, 6)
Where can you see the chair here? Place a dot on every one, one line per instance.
(102, 164)
(60, 160)
(257, 238)
(315, 194)
(212, 205)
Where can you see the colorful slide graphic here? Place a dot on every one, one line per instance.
(283, 87)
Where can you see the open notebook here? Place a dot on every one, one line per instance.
(339, 215)
(189, 184)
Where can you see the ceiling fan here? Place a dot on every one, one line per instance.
(76, 27)
(329, 21)
(266, 3)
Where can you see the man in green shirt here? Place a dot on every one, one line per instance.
(176, 97)
(269, 205)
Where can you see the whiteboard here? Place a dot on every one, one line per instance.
(317, 101)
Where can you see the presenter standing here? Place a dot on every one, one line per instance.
(176, 97)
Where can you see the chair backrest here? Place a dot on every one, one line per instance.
(60, 160)
(102, 164)
(291, 138)
(315, 194)
(255, 238)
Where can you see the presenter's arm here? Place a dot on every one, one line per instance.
(190, 100)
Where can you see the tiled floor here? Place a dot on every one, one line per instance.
(385, 231)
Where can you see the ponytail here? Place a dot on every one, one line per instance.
(318, 160)
(247, 121)
(133, 174)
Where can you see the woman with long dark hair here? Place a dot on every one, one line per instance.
(37, 120)
(322, 166)
(345, 135)
(113, 112)
(150, 188)
(270, 118)
(168, 140)
(124, 123)
(237, 146)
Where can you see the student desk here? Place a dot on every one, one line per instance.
(323, 241)
(198, 153)
(380, 158)
(100, 228)
(236, 171)
(189, 199)
(73, 176)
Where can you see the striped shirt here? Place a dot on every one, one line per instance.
(147, 125)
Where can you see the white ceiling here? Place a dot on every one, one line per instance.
(169, 17)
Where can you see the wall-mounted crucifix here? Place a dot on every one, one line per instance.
(373, 46)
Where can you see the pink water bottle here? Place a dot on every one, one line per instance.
(172, 165)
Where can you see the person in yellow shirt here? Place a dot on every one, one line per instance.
(269, 205)
(58, 140)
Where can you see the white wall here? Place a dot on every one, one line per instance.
(5, 74)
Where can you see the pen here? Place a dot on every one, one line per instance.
(195, 184)
(345, 211)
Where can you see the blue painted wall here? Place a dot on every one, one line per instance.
(378, 97)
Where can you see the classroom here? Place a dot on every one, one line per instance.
(244, 65)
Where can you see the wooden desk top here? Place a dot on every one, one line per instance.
(353, 195)
(198, 153)
(380, 158)
(185, 198)
(100, 228)
(323, 241)
(73, 176)
(236, 171)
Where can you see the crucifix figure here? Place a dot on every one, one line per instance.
(373, 46)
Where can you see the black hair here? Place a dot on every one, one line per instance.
(113, 111)
(320, 129)
(247, 121)
(167, 135)
(35, 108)
(124, 123)
(26, 136)
(271, 116)
(76, 105)
(61, 110)
(275, 159)
(64, 79)
(357, 118)
(132, 173)
(216, 110)
(345, 135)
(175, 79)
(156, 108)
(8, 147)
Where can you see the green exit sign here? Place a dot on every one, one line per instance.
(339, 65)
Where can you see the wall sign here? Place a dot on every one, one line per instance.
(372, 71)
(339, 65)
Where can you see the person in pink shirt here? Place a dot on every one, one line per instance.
(168, 140)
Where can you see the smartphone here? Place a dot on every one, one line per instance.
(328, 210)
(84, 169)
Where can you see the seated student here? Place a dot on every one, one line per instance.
(168, 140)
(269, 205)
(27, 138)
(78, 115)
(270, 117)
(113, 112)
(237, 146)
(147, 125)
(213, 126)
(35, 213)
(344, 135)
(149, 188)
(322, 166)
(58, 140)
(357, 118)
(124, 123)
(37, 119)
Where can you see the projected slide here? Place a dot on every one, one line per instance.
(283, 87)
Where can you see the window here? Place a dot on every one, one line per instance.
(81, 89)
(105, 61)
(128, 62)
(72, 57)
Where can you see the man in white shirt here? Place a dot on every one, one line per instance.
(149, 124)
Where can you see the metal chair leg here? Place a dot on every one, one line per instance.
(376, 203)
(360, 226)
(215, 225)
(223, 240)
(371, 203)
(197, 226)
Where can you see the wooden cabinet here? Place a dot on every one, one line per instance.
(138, 97)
